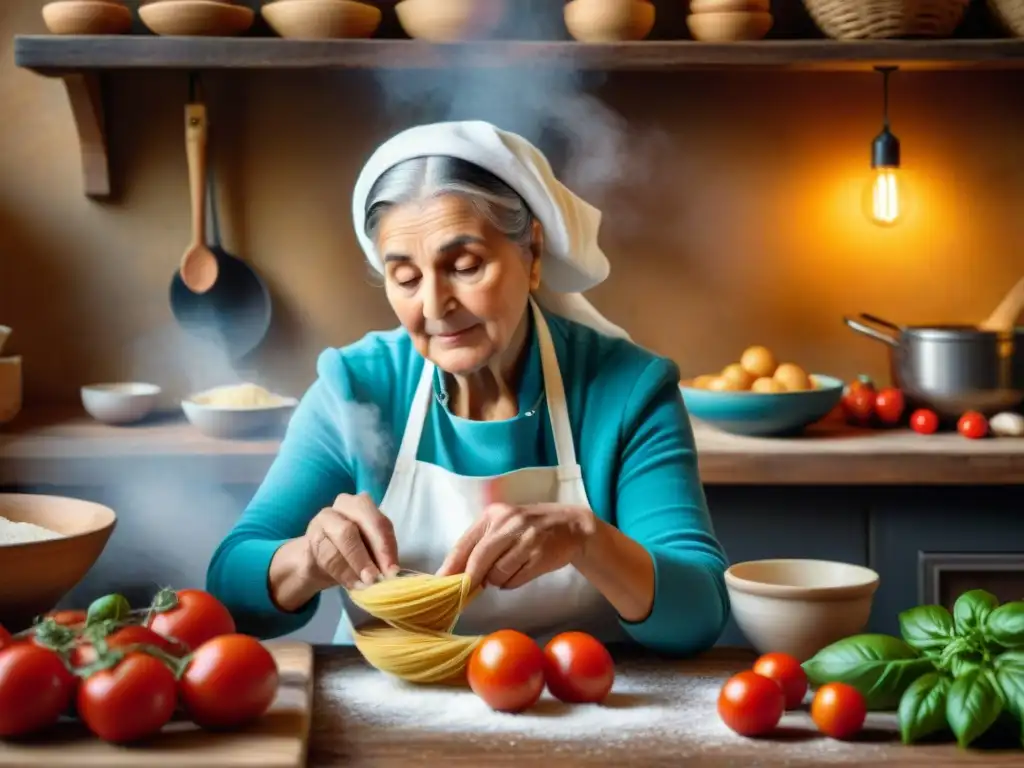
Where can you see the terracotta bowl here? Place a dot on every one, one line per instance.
(607, 21)
(321, 19)
(799, 606)
(207, 18)
(729, 26)
(449, 21)
(87, 17)
(35, 575)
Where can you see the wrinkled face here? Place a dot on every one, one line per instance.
(457, 284)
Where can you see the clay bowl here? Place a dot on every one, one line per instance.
(35, 575)
(799, 606)
(718, 6)
(608, 21)
(449, 21)
(206, 18)
(729, 26)
(321, 19)
(87, 17)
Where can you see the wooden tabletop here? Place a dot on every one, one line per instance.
(660, 713)
(67, 447)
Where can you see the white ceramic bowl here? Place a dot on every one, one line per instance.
(799, 606)
(120, 402)
(225, 421)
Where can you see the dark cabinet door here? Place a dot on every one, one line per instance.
(944, 576)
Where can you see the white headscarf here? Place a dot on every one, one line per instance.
(575, 262)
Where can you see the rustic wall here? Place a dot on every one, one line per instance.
(734, 219)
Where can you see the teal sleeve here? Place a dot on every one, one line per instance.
(308, 473)
(661, 505)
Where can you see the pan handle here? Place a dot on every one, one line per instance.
(870, 332)
(879, 321)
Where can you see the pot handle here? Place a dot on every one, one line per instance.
(879, 321)
(870, 332)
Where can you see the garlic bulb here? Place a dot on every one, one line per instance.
(1007, 424)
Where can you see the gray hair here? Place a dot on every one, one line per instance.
(421, 178)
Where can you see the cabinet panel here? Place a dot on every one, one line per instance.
(944, 576)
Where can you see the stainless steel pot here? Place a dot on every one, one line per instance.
(952, 368)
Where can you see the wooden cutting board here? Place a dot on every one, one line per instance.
(278, 740)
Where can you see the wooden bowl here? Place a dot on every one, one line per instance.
(207, 18)
(87, 17)
(448, 21)
(608, 21)
(321, 19)
(799, 606)
(718, 6)
(729, 27)
(35, 575)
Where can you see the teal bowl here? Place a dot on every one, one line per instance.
(764, 414)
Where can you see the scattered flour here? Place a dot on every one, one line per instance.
(676, 713)
(12, 532)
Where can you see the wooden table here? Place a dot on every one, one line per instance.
(661, 713)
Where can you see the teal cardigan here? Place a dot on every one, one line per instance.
(633, 440)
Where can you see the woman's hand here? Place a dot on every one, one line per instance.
(509, 546)
(351, 542)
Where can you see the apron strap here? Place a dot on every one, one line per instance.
(417, 416)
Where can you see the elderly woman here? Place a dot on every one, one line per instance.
(519, 437)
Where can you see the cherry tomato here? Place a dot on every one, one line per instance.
(197, 617)
(507, 671)
(578, 668)
(924, 421)
(130, 701)
(751, 704)
(124, 638)
(858, 402)
(5, 638)
(889, 405)
(231, 680)
(838, 710)
(67, 618)
(34, 689)
(972, 425)
(787, 672)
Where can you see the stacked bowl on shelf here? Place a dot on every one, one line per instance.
(723, 21)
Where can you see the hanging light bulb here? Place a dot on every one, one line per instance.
(885, 197)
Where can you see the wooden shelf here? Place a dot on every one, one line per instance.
(61, 447)
(80, 59)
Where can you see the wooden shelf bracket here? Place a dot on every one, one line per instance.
(85, 95)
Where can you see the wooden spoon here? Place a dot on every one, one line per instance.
(199, 267)
(1004, 317)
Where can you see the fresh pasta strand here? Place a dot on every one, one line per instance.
(419, 612)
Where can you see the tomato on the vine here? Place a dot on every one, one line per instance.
(197, 617)
(230, 680)
(924, 421)
(889, 405)
(751, 704)
(858, 401)
(34, 689)
(67, 618)
(838, 710)
(123, 639)
(507, 671)
(972, 425)
(787, 672)
(129, 701)
(578, 668)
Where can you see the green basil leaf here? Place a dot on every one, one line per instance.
(971, 610)
(1010, 678)
(927, 627)
(922, 709)
(972, 706)
(881, 667)
(1005, 625)
(1010, 659)
(962, 663)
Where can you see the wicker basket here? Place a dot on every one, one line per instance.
(879, 19)
(1009, 14)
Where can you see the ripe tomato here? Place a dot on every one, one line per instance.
(578, 668)
(123, 639)
(838, 710)
(67, 618)
(858, 402)
(751, 704)
(507, 671)
(5, 638)
(197, 617)
(130, 701)
(231, 680)
(889, 405)
(787, 672)
(34, 689)
(972, 425)
(924, 421)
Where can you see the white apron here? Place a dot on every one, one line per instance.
(431, 507)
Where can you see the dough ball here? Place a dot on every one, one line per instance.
(722, 384)
(735, 373)
(767, 385)
(702, 381)
(758, 361)
(792, 377)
